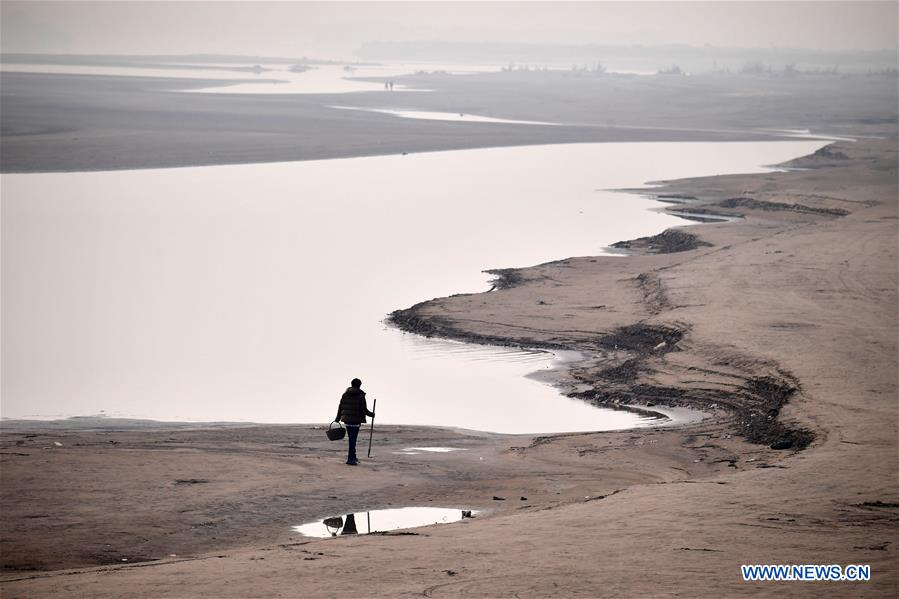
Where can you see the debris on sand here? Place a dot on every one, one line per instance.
(831, 154)
(666, 242)
(506, 278)
(782, 444)
(753, 204)
(625, 372)
(642, 338)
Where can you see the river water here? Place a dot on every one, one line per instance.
(273, 79)
(256, 292)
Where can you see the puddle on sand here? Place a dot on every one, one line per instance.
(418, 450)
(361, 523)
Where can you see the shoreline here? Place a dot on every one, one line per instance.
(641, 342)
(123, 123)
(668, 417)
(790, 298)
(573, 134)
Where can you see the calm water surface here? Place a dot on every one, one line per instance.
(373, 521)
(256, 292)
(443, 116)
(275, 79)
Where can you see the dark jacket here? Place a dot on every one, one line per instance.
(353, 408)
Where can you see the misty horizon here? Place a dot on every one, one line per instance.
(630, 58)
(349, 30)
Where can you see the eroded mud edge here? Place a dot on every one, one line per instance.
(614, 363)
(618, 370)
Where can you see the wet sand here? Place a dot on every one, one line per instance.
(783, 329)
(77, 123)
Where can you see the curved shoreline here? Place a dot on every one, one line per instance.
(620, 353)
(784, 292)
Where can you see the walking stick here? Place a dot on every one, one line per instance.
(371, 432)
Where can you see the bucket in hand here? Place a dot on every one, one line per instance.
(336, 434)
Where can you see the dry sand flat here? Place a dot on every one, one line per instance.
(78, 123)
(791, 304)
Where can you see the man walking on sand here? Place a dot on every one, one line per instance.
(352, 413)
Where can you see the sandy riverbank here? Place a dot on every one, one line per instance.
(784, 327)
(81, 122)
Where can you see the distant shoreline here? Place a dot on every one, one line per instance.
(64, 123)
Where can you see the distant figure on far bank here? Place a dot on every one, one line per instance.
(352, 412)
(386, 85)
(391, 86)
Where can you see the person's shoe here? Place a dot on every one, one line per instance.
(352, 463)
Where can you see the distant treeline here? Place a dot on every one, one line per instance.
(651, 58)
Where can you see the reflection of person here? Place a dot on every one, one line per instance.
(349, 528)
(352, 413)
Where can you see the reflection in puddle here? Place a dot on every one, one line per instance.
(361, 523)
(418, 450)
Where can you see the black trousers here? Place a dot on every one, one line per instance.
(352, 433)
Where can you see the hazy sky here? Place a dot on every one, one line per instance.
(335, 29)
